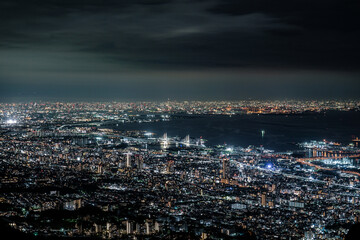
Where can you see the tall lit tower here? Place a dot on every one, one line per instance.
(165, 142)
(225, 169)
(187, 140)
(128, 159)
(148, 227)
(263, 199)
(129, 227)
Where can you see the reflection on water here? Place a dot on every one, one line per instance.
(278, 132)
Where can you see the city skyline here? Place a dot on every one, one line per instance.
(180, 170)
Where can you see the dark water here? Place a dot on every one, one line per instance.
(282, 132)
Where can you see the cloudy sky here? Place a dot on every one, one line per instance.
(178, 49)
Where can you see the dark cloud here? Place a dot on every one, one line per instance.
(323, 15)
(66, 43)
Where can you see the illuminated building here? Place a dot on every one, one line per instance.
(225, 169)
(263, 199)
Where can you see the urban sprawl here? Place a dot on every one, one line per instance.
(66, 172)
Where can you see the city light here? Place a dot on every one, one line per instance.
(262, 133)
(11, 121)
(92, 163)
(229, 149)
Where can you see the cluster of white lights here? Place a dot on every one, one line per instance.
(11, 121)
(229, 149)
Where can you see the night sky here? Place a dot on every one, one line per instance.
(160, 49)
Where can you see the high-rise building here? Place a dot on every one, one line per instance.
(139, 162)
(78, 203)
(165, 141)
(157, 227)
(129, 227)
(128, 160)
(137, 228)
(225, 169)
(148, 226)
(263, 199)
(108, 226)
(99, 170)
(97, 228)
(170, 166)
(187, 140)
(309, 235)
